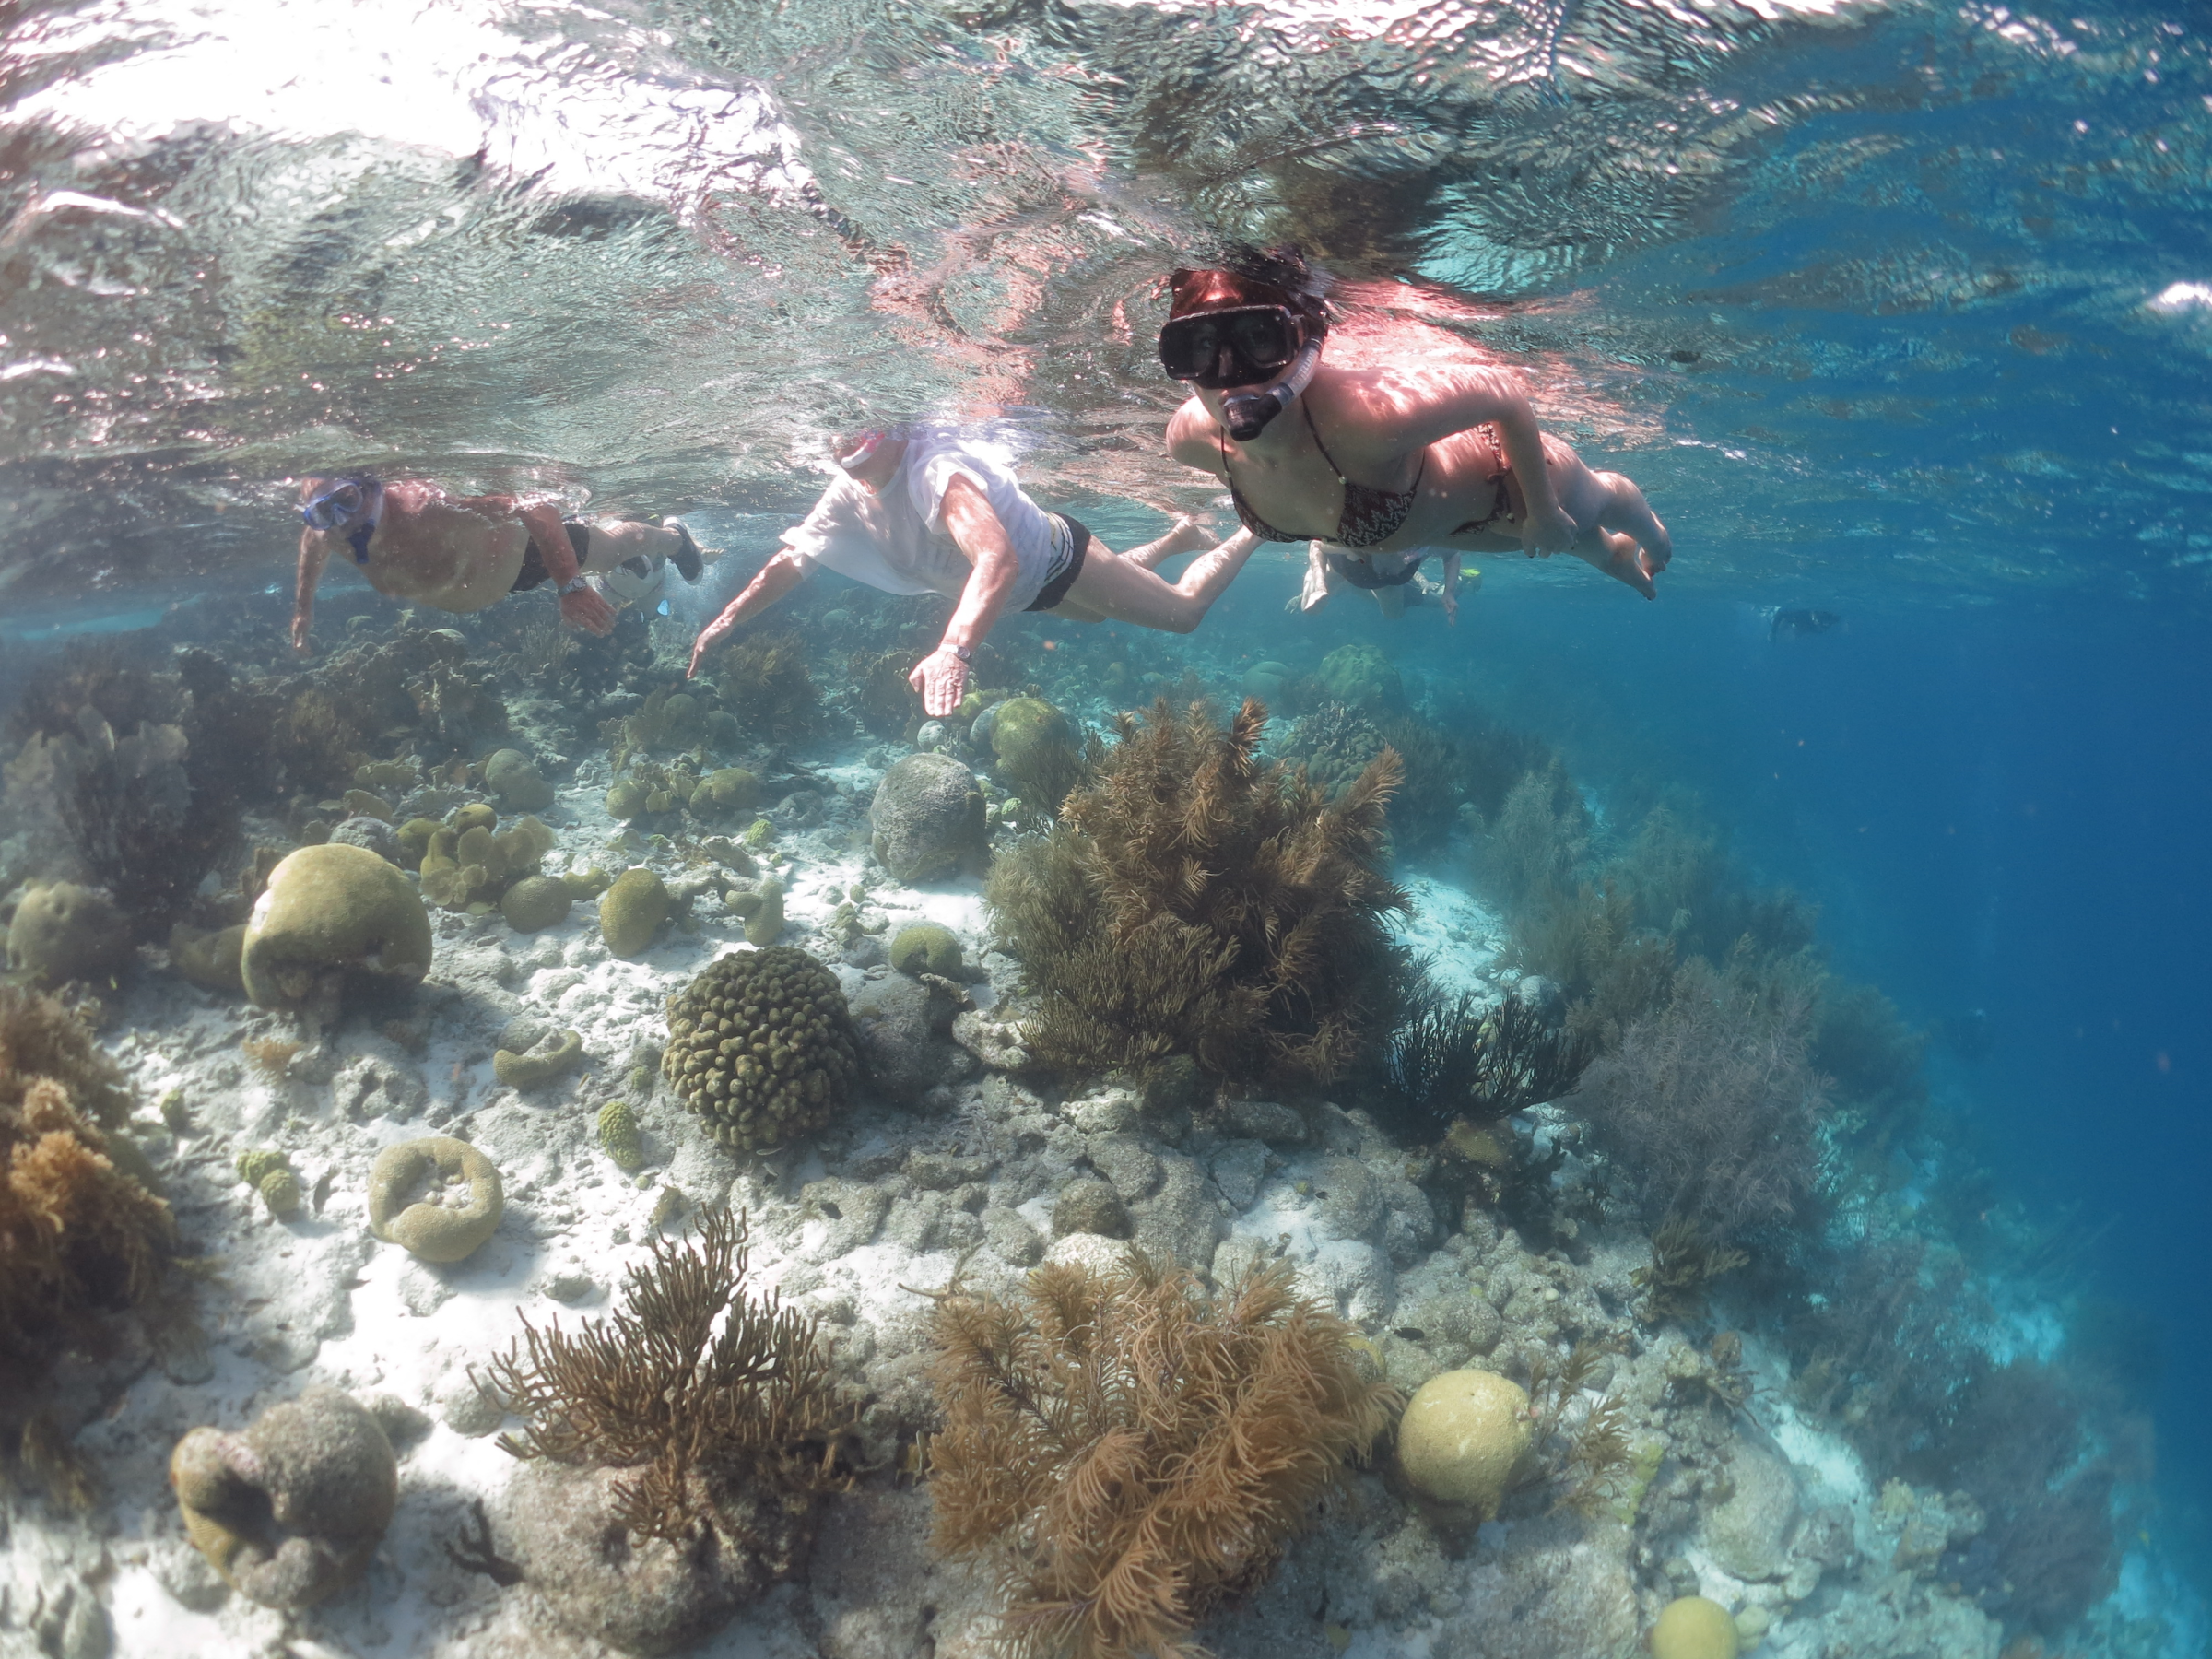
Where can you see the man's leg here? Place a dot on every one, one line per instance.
(1110, 586)
(611, 541)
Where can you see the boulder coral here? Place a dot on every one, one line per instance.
(509, 775)
(1691, 1627)
(1037, 752)
(926, 947)
(62, 932)
(631, 911)
(290, 1510)
(438, 1197)
(1360, 677)
(209, 960)
(333, 922)
(545, 1064)
(1462, 1437)
(535, 903)
(927, 819)
(760, 1045)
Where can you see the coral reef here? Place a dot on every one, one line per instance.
(1335, 744)
(535, 903)
(1462, 1439)
(548, 1062)
(925, 947)
(706, 1422)
(1197, 900)
(927, 819)
(509, 775)
(1035, 747)
(764, 686)
(1127, 1452)
(468, 862)
(1691, 1627)
(290, 1510)
(1360, 676)
(437, 1197)
(620, 1135)
(333, 922)
(80, 1240)
(882, 699)
(1708, 1106)
(631, 911)
(760, 1045)
(62, 932)
(1459, 1058)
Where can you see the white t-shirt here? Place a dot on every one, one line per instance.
(896, 541)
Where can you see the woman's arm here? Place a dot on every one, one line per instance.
(1194, 440)
(973, 526)
(1407, 411)
(580, 606)
(314, 553)
(1452, 588)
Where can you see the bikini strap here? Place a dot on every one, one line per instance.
(1308, 413)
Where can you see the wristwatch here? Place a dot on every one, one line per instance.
(965, 652)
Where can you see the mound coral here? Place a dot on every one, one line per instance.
(927, 819)
(1128, 1452)
(1360, 677)
(290, 1510)
(63, 932)
(468, 862)
(713, 1422)
(1035, 747)
(334, 921)
(1197, 900)
(79, 1240)
(925, 947)
(631, 911)
(760, 1045)
(437, 1197)
(1336, 744)
(1462, 1437)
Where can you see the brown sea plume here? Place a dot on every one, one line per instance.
(1196, 900)
(1128, 1452)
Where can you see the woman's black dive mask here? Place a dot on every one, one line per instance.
(1239, 345)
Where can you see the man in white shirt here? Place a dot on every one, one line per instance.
(925, 510)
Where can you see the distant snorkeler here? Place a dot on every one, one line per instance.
(1415, 462)
(918, 509)
(1796, 624)
(462, 553)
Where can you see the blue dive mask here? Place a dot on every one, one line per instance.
(343, 502)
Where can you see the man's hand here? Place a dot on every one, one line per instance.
(713, 634)
(1545, 533)
(584, 609)
(941, 677)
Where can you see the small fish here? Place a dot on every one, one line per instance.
(1796, 624)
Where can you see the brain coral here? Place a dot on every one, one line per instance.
(760, 1045)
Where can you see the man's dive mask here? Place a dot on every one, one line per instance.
(338, 502)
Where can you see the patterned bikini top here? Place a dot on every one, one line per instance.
(1370, 517)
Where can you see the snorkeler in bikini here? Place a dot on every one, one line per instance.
(1378, 468)
(413, 542)
(920, 510)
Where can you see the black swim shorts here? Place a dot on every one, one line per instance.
(534, 570)
(1052, 592)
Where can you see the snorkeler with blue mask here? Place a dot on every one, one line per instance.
(414, 542)
(1377, 468)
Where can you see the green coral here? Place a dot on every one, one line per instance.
(925, 946)
(759, 835)
(726, 790)
(1360, 677)
(509, 775)
(255, 1165)
(620, 1137)
(535, 903)
(760, 1045)
(333, 920)
(540, 1065)
(762, 910)
(437, 1197)
(631, 911)
(279, 1189)
(208, 959)
(1036, 751)
(63, 932)
(626, 800)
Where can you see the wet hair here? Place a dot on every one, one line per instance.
(1244, 275)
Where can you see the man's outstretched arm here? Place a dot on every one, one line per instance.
(972, 522)
(777, 578)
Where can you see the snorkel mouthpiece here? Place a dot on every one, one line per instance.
(1246, 414)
